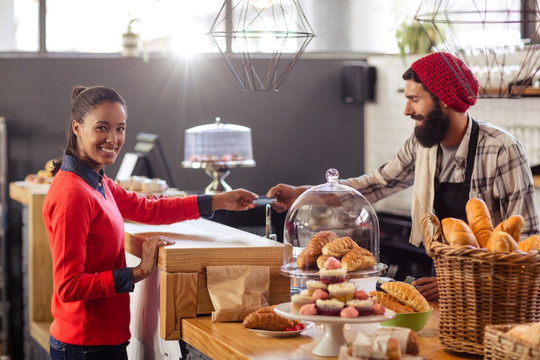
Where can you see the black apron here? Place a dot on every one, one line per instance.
(451, 198)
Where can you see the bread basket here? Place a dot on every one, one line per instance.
(478, 287)
(500, 346)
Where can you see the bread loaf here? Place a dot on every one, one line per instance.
(317, 241)
(530, 243)
(406, 294)
(502, 241)
(479, 220)
(339, 247)
(390, 302)
(513, 225)
(457, 233)
(357, 259)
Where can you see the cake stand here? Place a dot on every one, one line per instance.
(218, 171)
(333, 337)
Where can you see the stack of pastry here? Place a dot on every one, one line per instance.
(401, 297)
(325, 244)
(479, 232)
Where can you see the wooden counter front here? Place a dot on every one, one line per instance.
(231, 341)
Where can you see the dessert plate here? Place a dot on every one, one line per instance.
(282, 334)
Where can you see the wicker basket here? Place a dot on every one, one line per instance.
(478, 287)
(499, 346)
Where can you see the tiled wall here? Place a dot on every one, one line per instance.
(387, 128)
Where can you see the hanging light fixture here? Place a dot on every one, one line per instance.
(243, 29)
(499, 41)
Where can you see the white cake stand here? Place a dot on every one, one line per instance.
(333, 337)
(218, 171)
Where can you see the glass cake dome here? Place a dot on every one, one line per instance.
(336, 209)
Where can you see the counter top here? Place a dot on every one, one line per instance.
(232, 341)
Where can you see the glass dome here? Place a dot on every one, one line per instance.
(338, 210)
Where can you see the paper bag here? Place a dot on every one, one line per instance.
(236, 291)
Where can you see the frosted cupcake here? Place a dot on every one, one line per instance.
(342, 291)
(313, 285)
(363, 306)
(299, 300)
(332, 276)
(331, 307)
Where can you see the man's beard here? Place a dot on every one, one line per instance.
(433, 128)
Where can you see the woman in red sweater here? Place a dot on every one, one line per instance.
(84, 214)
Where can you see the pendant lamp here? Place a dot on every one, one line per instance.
(498, 40)
(245, 29)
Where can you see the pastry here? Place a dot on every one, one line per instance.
(479, 220)
(330, 307)
(530, 243)
(357, 259)
(267, 321)
(320, 294)
(266, 309)
(457, 233)
(375, 347)
(513, 225)
(319, 240)
(342, 291)
(408, 340)
(305, 261)
(333, 276)
(391, 302)
(299, 300)
(502, 241)
(339, 247)
(348, 312)
(364, 307)
(313, 285)
(406, 294)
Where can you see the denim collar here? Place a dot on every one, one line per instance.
(94, 179)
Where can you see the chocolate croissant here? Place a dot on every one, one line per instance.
(267, 321)
(339, 247)
(357, 259)
(319, 240)
(406, 294)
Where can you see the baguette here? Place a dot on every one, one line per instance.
(502, 241)
(390, 302)
(457, 233)
(406, 294)
(530, 243)
(513, 225)
(479, 220)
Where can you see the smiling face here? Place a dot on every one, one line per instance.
(431, 122)
(101, 136)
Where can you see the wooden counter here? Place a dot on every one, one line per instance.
(231, 341)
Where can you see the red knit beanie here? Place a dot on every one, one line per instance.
(449, 79)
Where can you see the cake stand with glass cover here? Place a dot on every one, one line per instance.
(217, 148)
(345, 211)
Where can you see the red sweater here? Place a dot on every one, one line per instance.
(86, 234)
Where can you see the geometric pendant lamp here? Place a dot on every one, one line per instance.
(498, 40)
(245, 29)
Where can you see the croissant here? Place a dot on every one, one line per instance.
(391, 302)
(266, 309)
(267, 321)
(479, 220)
(304, 260)
(513, 225)
(319, 240)
(458, 233)
(502, 241)
(357, 258)
(339, 247)
(406, 294)
(530, 243)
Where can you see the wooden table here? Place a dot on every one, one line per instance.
(232, 341)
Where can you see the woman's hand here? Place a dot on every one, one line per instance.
(428, 287)
(239, 199)
(286, 195)
(149, 257)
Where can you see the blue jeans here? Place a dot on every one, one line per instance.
(63, 351)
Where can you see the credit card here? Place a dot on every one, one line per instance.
(263, 200)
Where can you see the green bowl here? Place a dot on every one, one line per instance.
(415, 321)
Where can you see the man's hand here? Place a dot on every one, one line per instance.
(286, 195)
(428, 287)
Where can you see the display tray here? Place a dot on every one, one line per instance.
(291, 270)
(282, 334)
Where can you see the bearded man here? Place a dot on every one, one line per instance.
(449, 159)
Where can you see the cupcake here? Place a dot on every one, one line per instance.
(331, 307)
(299, 300)
(333, 276)
(342, 291)
(363, 306)
(313, 285)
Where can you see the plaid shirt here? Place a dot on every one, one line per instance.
(501, 176)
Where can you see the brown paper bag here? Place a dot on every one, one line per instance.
(236, 291)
